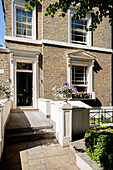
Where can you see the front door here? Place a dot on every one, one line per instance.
(24, 85)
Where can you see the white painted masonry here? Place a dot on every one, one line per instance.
(57, 43)
(27, 57)
(5, 108)
(21, 3)
(63, 115)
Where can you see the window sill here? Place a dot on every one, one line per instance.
(76, 99)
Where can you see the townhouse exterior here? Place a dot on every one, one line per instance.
(43, 52)
(2, 21)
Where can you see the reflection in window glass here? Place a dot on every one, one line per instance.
(24, 66)
(78, 30)
(79, 76)
(23, 23)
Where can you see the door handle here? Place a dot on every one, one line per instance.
(24, 89)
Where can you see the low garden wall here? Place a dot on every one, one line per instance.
(5, 108)
(71, 118)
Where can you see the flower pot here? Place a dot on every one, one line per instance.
(65, 97)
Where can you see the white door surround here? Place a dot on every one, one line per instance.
(25, 57)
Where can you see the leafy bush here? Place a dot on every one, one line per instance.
(99, 145)
(101, 121)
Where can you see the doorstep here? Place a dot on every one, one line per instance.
(28, 108)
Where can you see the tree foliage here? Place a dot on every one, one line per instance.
(104, 8)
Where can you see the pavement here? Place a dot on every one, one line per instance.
(32, 154)
(38, 155)
(48, 155)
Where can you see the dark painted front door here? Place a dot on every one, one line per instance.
(24, 89)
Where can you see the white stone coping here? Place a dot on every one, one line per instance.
(83, 161)
(74, 104)
(44, 100)
(79, 104)
(57, 43)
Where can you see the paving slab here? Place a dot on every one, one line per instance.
(48, 156)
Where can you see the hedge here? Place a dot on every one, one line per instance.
(99, 145)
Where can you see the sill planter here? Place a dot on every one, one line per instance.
(81, 95)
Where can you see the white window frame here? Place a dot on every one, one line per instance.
(21, 4)
(20, 35)
(82, 58)
(88, 38)
(83, 31)
(87, 70)
(89, 74)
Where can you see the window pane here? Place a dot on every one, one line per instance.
(29, 20)
(29, 32)
(18, 18)
(18, 25)
(18, 31)
(23, 12)
(24, 66)
(23, 31)
(18, 11)
(80, 89)
(29, 13)
(79, 75)
(23, 19)
(23, 25)
(78, 38)
(78, 30)
(29, 27)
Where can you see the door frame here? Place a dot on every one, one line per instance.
(27, 59)
(26, 72)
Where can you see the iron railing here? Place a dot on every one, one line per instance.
(101, 116)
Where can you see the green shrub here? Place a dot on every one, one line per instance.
(99, 145)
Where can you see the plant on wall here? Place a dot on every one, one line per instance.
(5, 88)
(64, 91)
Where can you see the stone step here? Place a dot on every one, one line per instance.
(29, 136)
(28, 129)
(20, 110)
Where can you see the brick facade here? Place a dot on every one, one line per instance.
(55, 72)
(4, 65)
(53, 61)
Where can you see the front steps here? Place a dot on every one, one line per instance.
(23, 109)
(27, 126)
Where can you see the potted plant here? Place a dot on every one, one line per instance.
(5, 88)
(64, 92)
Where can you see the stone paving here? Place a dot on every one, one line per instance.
(48, 155)
(37, 155)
